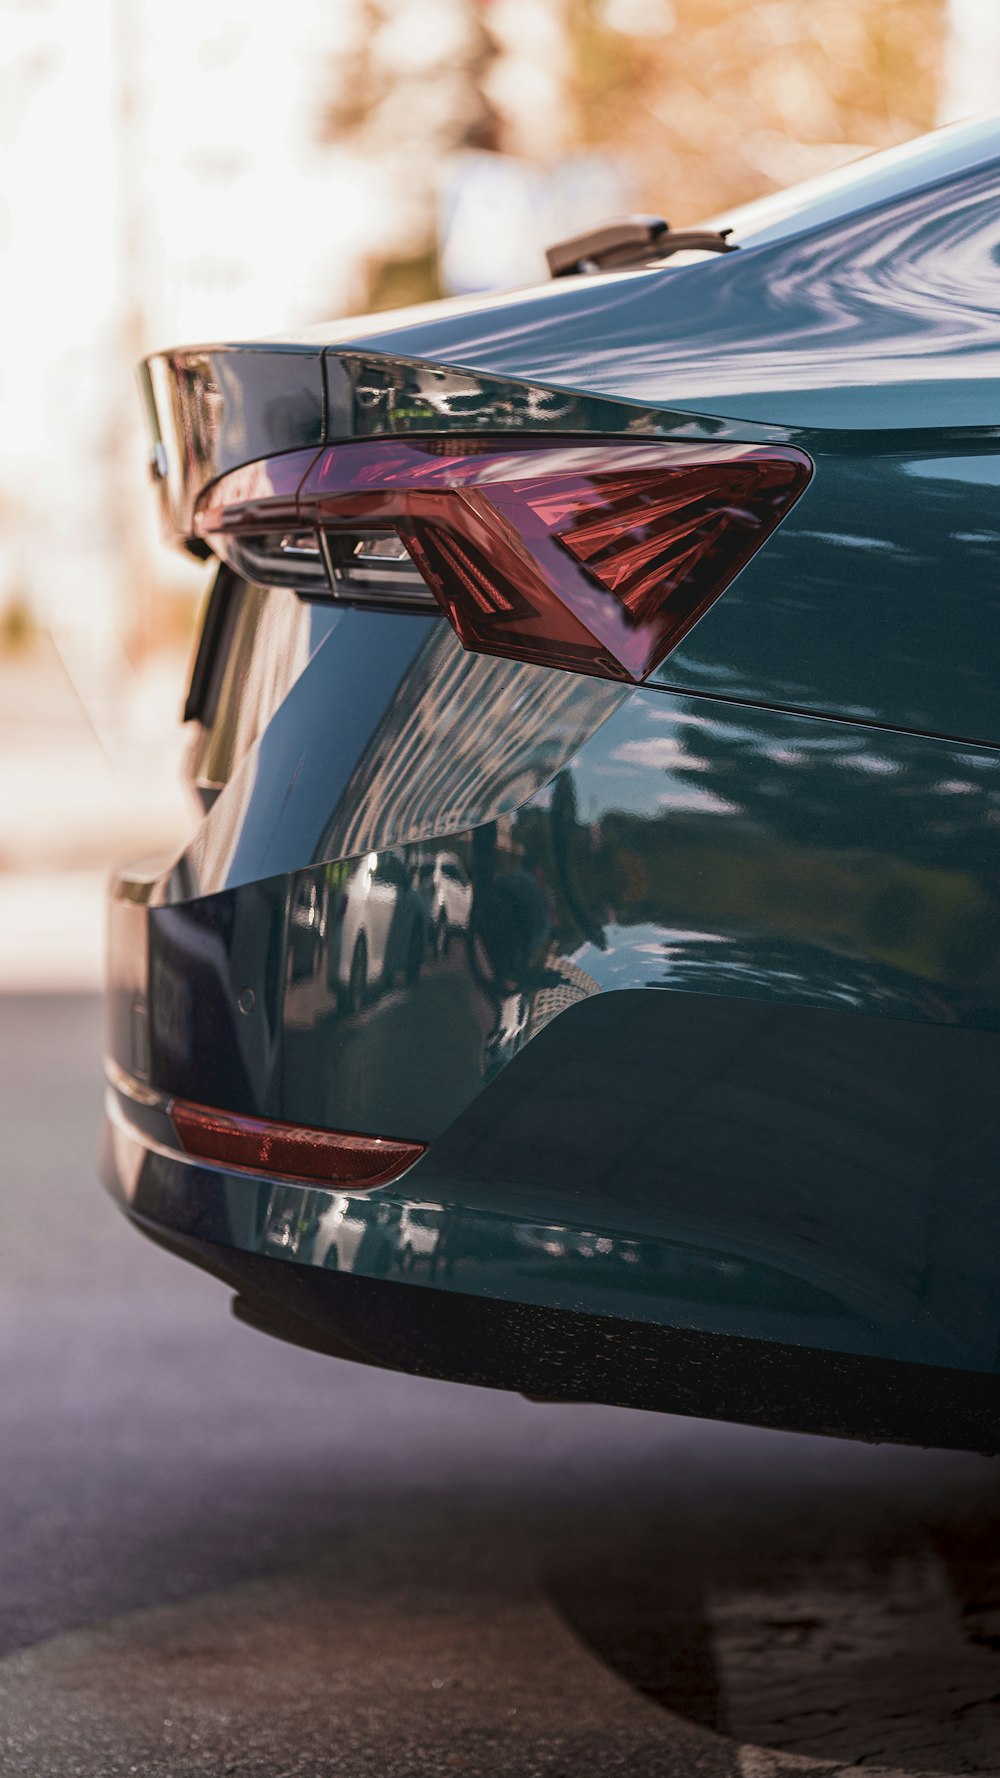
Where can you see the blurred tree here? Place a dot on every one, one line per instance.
(704, 104)
(409, 92)
(715, 102)
(971, 60)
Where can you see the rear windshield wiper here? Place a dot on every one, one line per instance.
(631, 240)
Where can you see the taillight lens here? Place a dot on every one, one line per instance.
(290, 1151)
(597, 558)
(250, 518)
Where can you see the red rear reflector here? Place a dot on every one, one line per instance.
(315, 1157)
(593, 557)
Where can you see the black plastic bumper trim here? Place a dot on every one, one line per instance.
(563, 1355)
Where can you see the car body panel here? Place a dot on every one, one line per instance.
(689, 844)
(691, 990)
(877, 599)
(750, 1171)
(882, 318)
(766, 875)
(210, 409)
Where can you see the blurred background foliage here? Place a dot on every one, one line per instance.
(713, 102)
(691, 105)
(237, 170)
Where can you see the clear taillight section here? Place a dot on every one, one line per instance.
(250, 519)
(597, 558)
(374, 568)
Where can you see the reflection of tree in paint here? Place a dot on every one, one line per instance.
(823, 844)
(518, 936)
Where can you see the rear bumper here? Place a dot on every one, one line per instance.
(475, 1292)
(221, 1222)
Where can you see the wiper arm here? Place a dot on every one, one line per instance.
(631, 240)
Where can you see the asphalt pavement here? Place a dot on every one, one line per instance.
(219, 1555)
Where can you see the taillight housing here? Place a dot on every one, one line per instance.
(592, 557)
(334, 1158)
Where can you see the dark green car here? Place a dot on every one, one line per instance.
(585, 976)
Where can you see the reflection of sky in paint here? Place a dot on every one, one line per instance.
(652, 769)
(874, 765)
(958, 469)
(665, 766)
(691, 960)
(663, 751)
(595, 794)
(648, 799)
(666, 769)
(633, 948)
(691, 800)
(847, 540)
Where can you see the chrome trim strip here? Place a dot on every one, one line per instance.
(133, 1089)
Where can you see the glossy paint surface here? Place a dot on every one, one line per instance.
(350, 759)
(871, 340)
(211, 408)
(793, 1138)
(883, 318)
(765, 1172)
(693, 992)
(270, 638)
(688, 845)
(878, 599)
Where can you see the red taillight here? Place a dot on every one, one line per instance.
(290, 1151)
(593, 557)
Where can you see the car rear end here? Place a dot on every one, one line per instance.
(585, 976)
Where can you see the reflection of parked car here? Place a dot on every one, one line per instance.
(382, 930)
(669, 676)
(419, 1233)
(339, 1232)
(447, 895)
(306, 929)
